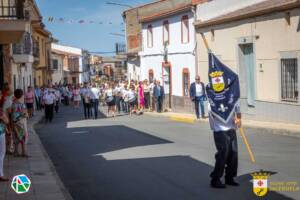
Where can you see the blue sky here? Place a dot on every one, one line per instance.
(93, 37)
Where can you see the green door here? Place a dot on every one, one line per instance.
(248, 65)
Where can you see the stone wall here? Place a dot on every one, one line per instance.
(182, 104)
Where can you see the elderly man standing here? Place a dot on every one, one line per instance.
(159, 94)
(49, 99)
(198, 96)
(152, 98)
(95, 95)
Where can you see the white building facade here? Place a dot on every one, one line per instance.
(168, 55)
(134, 69)
(73, 67)
(57, 66)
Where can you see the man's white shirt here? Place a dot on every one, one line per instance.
(199, 89)
(95, 93)
(49, 98)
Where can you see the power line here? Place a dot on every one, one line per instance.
(117, 34)
(102, 52)
(118, 4)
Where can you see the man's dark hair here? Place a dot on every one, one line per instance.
(18, 93)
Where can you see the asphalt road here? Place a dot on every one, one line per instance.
(153, 158)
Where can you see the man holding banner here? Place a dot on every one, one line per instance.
(223, 93)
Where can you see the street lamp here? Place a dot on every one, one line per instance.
(118, 4)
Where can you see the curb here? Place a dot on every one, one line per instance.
(265, 130)
(61, 186)
(268, 130)
(175, 117)
(189, 120)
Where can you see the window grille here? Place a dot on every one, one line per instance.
(289, 80)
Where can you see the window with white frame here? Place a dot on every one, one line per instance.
(166, 33)
(149, 36)
(185, 29)
(289, 80)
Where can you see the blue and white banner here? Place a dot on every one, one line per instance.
(223, 90)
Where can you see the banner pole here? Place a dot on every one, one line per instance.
(205, 43)
(247, 145)
(241, 129)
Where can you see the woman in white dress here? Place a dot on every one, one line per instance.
(110, 100)
(132, 100)
(76, 96)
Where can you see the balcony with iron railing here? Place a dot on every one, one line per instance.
(23, 51)
(36, 50)
(13, 20)
(120, 48)
(50, 65)
(25, 46)
(12, 9)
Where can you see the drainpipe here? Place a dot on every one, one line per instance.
(194, 11)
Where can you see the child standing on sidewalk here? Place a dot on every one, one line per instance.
(19, 117)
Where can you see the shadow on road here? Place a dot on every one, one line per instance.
(160, 178)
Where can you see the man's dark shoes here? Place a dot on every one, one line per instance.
(216, 183)
(231, 182)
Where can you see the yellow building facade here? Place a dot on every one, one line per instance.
(42, 47)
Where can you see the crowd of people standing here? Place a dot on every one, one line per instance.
(16, 107)
(132, 97)
(129, 97)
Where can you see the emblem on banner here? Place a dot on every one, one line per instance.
(260, 183)
(217, 81)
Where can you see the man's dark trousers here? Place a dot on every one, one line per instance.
(85, 107)
(56, 107)
(38, 102)
(159, 103)
(226, 156)
(49, 112)
(95, 107)
(66, 100)
(118, 103)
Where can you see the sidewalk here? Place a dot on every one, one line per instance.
(270, 127)
(45, 184)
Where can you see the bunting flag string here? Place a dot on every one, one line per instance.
(62, 20)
